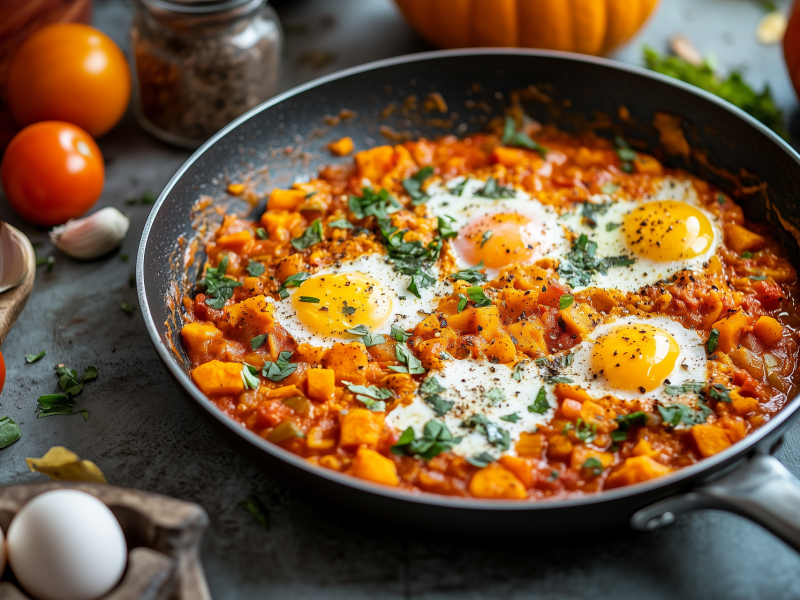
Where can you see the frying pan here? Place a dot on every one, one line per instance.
(289, 133)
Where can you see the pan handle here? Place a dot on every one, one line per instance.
(761, 489)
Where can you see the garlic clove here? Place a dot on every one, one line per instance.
(92, 236)
(17, 257)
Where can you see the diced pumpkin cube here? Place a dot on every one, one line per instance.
(559, 447)
(564, 391)
(199, 336)
(740, 239)
(644, 448)
(734, 426)
(374, 467)
(522, 468)
(600, 299)
(373, 164)
(508, 157)
(579, 319)
(401, 383)
(285, 391)
(529, 336)
(594, 414)
(743, 405)
(316, 440)
(731, 330)
(321, 384)
(291, 265)
(341, 147)
(500, 348)
(360, 427)
(280, 223)
(349, 361)
(647, 165)
(248, 318)
(235, 189)
(285, 199)
(710, 439)
(310, 354)
(768, 330)
(216, 377)
(583, 453)
(239, 242)
(513, 302)
(530, 445)
(497, 482)
(636, 469)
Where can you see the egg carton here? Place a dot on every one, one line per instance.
(163, 536)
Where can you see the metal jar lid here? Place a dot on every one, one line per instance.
(201, 7)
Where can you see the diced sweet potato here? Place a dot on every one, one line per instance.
(216, 377)
(559, 447)
(647, 165)
(600, 299)
(644, 448)
(373, 164)
(710, 439)
(529, 336)
(550, 294)
(401, 383)
(583, 453)
(731, 330)
(239, 242)
(571, 409)
(374, 467)
(739, 239)
(360, 427)
(349, 361)
(636, 469)
(565, 390)
(321, 384)
(310, 354)
(285, 199)
(291, 265)
(249, 318)
(497, 482)
(594, 414)
(285, 391)
(280, 223)
(530, 445)
(522, 468)
(513, 302)
(341, 147)
(316, 440)
(580, 319)
(500, 348)
(508, 157)
(743, 405)
(199, 336)
(768, 330)
(734, 426)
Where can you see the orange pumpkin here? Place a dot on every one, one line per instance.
(791, 47)
(585, 26)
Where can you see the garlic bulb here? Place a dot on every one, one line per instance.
(17, 257)
(91, 236)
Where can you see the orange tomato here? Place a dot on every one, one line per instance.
(52, 172)
(69, 72)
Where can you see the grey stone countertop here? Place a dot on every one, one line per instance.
(143, 434)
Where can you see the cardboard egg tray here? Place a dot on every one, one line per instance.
(163, 536)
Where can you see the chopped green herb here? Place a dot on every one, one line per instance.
(462, 302)
(312, 235)
(713, 341)
(311, 300)
(495, 191)
(612, 226)
(609, 188)
(258, 341)
(495, 396)
(292, 281)
(580, 263)
(341, 224)
(55, 404)
(399, 335)
(565, 301)
(127, 308)
(9, 432)
(372, 397)
(149, 197)
(624, 423)
(49, 261)
(757, 277)
(124, 257)
(431, 386)
(594, 465)
(412, 364)
(32, 358)
(250, 377)
(590, 211)
(257, 510)
(478, 296)
(684, 388)
(517, 374)
(255, 268)
(721, 198)
(487, 235)
(280, 369)
(359, 330)
(512, 137)
(379, 205)
(458, 189)
(495, 435)
(471, 275)
(553, 476)
(413, 185)
(132, 279)
(219, 288)
(446, 228)
(348, 311)
(439, 405)
(371, 340)
(512, 418)
(311, 194)
(585, 432)
(261, 233)
(675, 414)
(719, 392)
(484, 459)
(540, 405)
(436, 438)
(747, 254)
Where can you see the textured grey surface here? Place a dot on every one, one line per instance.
(143, 434)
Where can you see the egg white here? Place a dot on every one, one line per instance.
(407, 310)
(466, 383)
(691, 365)
(643, 271)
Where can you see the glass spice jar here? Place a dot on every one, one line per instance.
(199, 64)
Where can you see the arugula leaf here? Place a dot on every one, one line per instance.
(713, 341)
(512, 418)
(399, 335)
(292, 281)
(624, 423)
(733, 89)
(250, 377)
(280, 369)
(219, 288)
(371, 204)
(495, 396)
(565, 301)
(675, 414)
(9, 432)
(413, 185)
(580, 264)
(257, 510)
(495, 191)
(32, 358)
(484, 459)
(371, 340)
(594, 464)
(446, 229)
(471, 275)
(512, 137)
(359, 330)
(495, 435)
(258, 341)
(262, 233)
(312, 235)
(478, 296)
(404, 356)
(436, 438)
(540, 405)
(255, 268)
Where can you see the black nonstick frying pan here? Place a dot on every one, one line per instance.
(289, 133)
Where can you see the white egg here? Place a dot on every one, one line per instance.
(661, 362)
(66, 545)
(638, 242)
(480, 388)
(385, 302)
(498, 231)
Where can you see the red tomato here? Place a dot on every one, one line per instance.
(69, 72)
(52, 172)
(2, 372)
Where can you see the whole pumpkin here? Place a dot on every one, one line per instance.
(791, 47)
(585, 26)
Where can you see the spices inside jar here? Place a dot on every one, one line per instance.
(199, 64)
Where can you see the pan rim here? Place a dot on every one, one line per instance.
(676, 478)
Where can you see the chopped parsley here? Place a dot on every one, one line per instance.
(436, 438)
(219, 288)
(258, 341)
(540, 404)
(713, 341)
(624, 423)
(585, 432)
(684, 388)
(565, 301)
(371, 340)
(512, 137)
(580, 264)
(446, 228)
(747, 254)
(495, 191)
(495, 435)
(594, 465)
(32, 358)
(471, 275)
(517, 374)
(590, 211)
(291, 282)
(261, 233)
(280, 369)
(512, 418)
(413, 185)
(413, 366)
(371, 204)
(484, 459)
(495, 396)
(458, 189)
(410, 258)
(341, 224)
(626, 154)
(9, 431)
(430, 390)
(250, 377)
(312, 235)
(719, 392)
(675, 414)
(255, 268)
(372, 397)
(71, 385)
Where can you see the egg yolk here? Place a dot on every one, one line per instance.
(497, 240)
(668, 230)
(345, 300)
(635, 357)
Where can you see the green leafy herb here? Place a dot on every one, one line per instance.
(675, 414)
(495, 396)
(436, 438)
(373, 397)
(495, 435)
(219, 288)
(371, 340)
(553, 476)
(439, 405)
(446, 356)
(48, 261)
(720, 198)
(585, 432)
(412, 364)
(590, 211)
(9, 431)
(55, 404)
(512, 418)
(311, 300)
(471, 275)
(609, 188)
(512, 137)
(348, 311)
(258, 341)
(478, 296)
(484, 459)
(684, 388)
(371, 204)
(517, 374)
(495, 191)
(487, 235)
(250, 377)
(312, 235)
(431, 386)
(257, 510)
(565, 301)
(540, 404)
(124, 257)
(462, 302)
(594, 465)
(127, 308)
(747, 254)
(581, 262)
(32, 358)
(719, 392)
(413, 185)
(255, 268)
(262, 233)
(713, 341)
(612, 226)
(733, 89)
(624, 423)
(292, 281)
(149, 197)
(625, 153)
(398, 334)
(359, 330)
(757, 277)
(280, 369)
(341, 224)
(458, 189)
